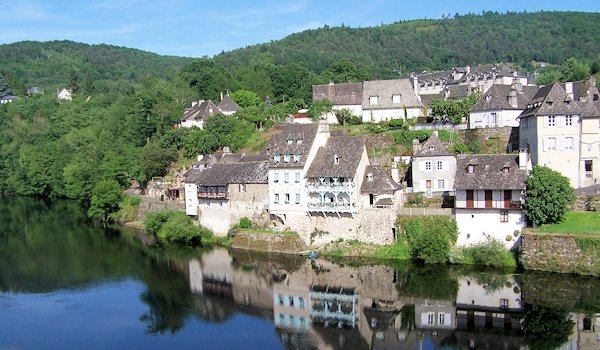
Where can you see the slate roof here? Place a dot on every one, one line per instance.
(382, 181)
(385, 89)
(426, 99)
(497, 98)
(201, 111)
(229, 173)
(433, 147)
(583, 88)
(339, 94)
(228, 105)
(551, 100)
(591, 109)
(9, 98)
(35, 90)
(436, 78)
(348, 150)
(286, 142)
(488, 173)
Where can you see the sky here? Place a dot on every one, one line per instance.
(205, 28)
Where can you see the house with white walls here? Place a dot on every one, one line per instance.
(489, 194)
(433, 167)
(342, 95)
(550, 128)
(198, 113)
(384, 100)
(227, 106)
(500, 106)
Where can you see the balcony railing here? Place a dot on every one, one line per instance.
(332, 207)
(330, 187)
(212, 195)
(495, 205)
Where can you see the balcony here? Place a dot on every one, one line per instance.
(332, 207)
(330, 187)
(212, 195)
(514, 205)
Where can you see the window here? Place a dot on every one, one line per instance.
(588, 166)
(493, 119)
(551, 144)
(287, 198)
(441, 183)
(276, 158)
(280, 299)
(504, 303)
(395, 98)
(503, 216)
(506, 169)
(301, 302)
(373, 100)
(291, 298)
(276, 200)
(568, 143)
(289, 141)
(551, 120)
(286, 158)
(299, 141)
(370, 177)
(336, 159)
(275, 177)
(242, 187)
(286, 177)
(471, 169)
(439, 165)
(428, 166)
(297, 198)
(442, 318)
(569, 120)
(296, 157)
(430, 318)
(297, 175)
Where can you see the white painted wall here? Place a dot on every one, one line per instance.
(191, 123)
(191, 199)
(485, 119)
(420, 175)
(476, 225)
(379, 115)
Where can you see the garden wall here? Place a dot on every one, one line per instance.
(579, 254)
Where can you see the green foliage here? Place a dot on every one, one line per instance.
(318, 108)
(406, 137)
(549, 196)
(415, 199)
(398, 251)
(153, 221)
(548, 77)
(245, 98)
(106, 196)
(430, 237)
(396, 123)
(454, 110)
(343, 71)
(154, 161)
(207, 77)
(546, 328)
(344, 116)
(245, 223)
(377, 128)
(570, 70)
(229, 131)
(489, 253)
(594, 204)
(128, 208)
(4, 89)
(175, 227)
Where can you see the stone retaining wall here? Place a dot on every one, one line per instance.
(557, 253)
(151, 205)
(268, 242)
(497, 140)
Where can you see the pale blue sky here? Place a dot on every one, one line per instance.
(198, 28)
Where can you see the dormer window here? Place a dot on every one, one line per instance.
(506, 169)
(289, 141)
(299, 141)
(276, 158)
(431, 148)
(370, 177)
(373, 100)
(286, 158)
(395, 98)
(336, 159)
(488, 98)
(296, 157)
(471, 169)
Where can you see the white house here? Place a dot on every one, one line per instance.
(489, 193)
(433, 167)
(550, 128)
(500, 106)
(64, 94)
(198, 113)
(8, 99)
(384, 100)
(342, 96)
(227, 106)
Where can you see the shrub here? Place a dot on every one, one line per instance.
(154, 220)
(128, 208)
(460, 147)
(179, 228)
(245, 223)
(405, 137)
(429, 237)
(376, 128)
(490, 253)
(396, 123)
(508, 238)
(548, 197)
(415, 199)
(594, 203)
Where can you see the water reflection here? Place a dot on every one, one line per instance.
(210, 297)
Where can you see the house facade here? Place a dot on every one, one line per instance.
(384, 100)
(227, 106)
(550, 128)
(433, 167)
(198, 113)
(500, 106)
(64, 94)
(342, 96)
(489, 195)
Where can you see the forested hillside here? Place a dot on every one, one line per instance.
(413, 46)
(87, 68)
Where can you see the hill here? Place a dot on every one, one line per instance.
(99, 68)
(417, 45)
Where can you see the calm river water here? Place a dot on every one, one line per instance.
(66, 283)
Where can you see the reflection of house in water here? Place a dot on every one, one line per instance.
(333, 306)
(586, 333)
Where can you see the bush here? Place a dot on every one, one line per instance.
(155, 220)
(405, 137)
(548, 197)
(429, 237)
(490, 253)
(377, 128)
(396, 123)
(415, 199)
(179, 228)
(129, 208)
(594, 203)
(244, 223)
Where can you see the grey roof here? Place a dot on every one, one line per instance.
(488, 173)
(201, 111)
(382, 181)
(476, 73)
(427, 99)
(286, 142)
(9, 98)
(228, 105)
(35, 90)
(348, 151)
(433, 147)
(458, 91)
(497, 98)
(436, 78)
(551, 100)
(584, 89)
(385, 89)
(591, 109)
(229, 173)
(339, 94)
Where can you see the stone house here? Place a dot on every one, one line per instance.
(221, 194)
(64, 94)
(384, 100)
(500, 106)
(343, 96)
(8, 99)
(379, 189)
(489, 195)
(227, 106)
(433, 167)
(550, 128)
(198, 113)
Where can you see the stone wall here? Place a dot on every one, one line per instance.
(268, 242)
(493, 140)
(151, 205)
(557, 253)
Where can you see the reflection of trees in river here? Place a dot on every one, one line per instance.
(546, 328)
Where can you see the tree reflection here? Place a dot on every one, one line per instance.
(547, 328)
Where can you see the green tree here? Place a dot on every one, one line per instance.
(318, 108)
(344, 116)
(153, 161)
(573, 70)
(208, 78)
(106, 196)
(245, 98)
(343, 71)
(549, 196)
(454, 110)
(548, 77)
(4, 89)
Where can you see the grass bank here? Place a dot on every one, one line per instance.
(575, 222)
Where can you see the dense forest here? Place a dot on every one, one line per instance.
(119, 126)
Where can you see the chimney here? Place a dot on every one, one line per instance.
(395, 172)
(416, 84)
(221, 95)
(200, 157)
(468, 69)
(512, 97)
(415, 146)
(592, 80)
(226, 150)
(524, 161)
(569, 88)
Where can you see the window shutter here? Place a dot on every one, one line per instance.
(424, 319)
(561, 143)
(560, 121)
(545, 144)
(546, 121)
(421, 165)
(445, 165)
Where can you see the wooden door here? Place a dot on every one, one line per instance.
(507, 198)
(469, 198)
(488, 198)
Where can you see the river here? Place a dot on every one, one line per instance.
(66, 283)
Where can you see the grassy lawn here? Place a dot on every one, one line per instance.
(575, 222)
